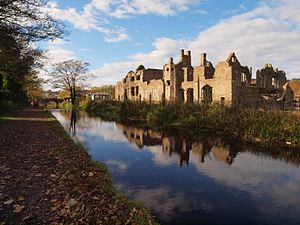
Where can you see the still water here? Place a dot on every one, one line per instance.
(210, 180)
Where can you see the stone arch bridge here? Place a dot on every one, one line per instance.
(46, 101)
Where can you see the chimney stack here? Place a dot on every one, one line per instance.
(203, 59)
(181, 55)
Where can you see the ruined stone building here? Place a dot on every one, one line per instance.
(227, 83)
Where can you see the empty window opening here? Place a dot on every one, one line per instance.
(209, 74)
(190, 76)
(206, 92)
(243, 78)
(190, 95)
(125, 94)
(132, 91)
(168, 82)
(137, 91)
(222, 101)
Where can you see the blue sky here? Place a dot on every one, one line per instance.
(115, 36)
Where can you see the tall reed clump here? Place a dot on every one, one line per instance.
(107, 109)
(163, 116)
(269, 126)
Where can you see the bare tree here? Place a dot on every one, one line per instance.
(69, 74)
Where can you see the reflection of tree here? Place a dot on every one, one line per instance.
(72, 128)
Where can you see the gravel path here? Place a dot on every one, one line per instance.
(46, 179)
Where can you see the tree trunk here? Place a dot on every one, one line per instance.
(74, 95)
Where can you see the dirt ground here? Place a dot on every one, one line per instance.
(46, 179)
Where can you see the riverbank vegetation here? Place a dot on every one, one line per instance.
(266, 127)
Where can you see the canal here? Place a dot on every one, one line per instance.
(208, 180)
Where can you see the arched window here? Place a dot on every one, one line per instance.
(206, 93)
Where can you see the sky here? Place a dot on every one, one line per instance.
(115, 36)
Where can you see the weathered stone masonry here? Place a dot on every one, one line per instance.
(228, 83)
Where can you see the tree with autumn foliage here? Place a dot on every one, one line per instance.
(68, 75)
(23, 22)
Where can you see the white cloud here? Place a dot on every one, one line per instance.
(164, 48)
(271, 184)
(88, 19)
(164, 200)
(57, 52)
(161, 158)
(57, 42)
(117, 164)
(269, 33)
(116, 38)
(123, 9)
(92, 15)
(112, 72)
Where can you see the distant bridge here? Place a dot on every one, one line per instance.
(46, 101)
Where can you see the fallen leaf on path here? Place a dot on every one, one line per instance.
(21, 198)
(91, 174)
(26, 218)
(18, 208)
(8, 202)
(72, 202)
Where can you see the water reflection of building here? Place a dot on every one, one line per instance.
(179, 145)
(140, 136)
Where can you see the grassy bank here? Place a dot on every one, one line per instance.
(268, 128)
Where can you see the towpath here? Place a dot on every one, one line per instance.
(46, 179)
